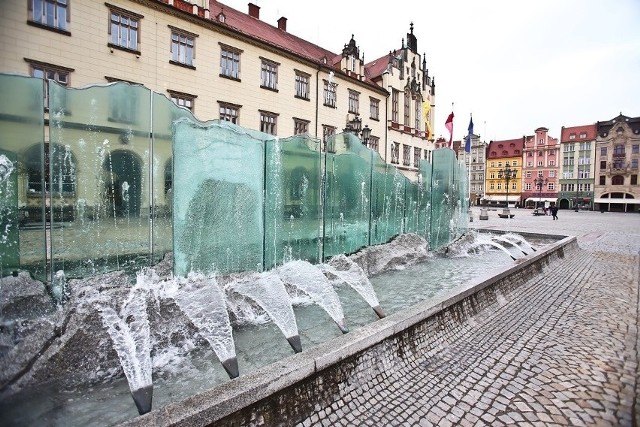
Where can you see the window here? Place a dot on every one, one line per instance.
(406, 155)
(374, 143)
(327, 133)
(540, 173)
(59, 169)
(50, 13)
(124, 29)
(394, 105)
(229, 62)
(492, 186)
(585, 146)
(269, 75)
(617, 180)
(540, 163)
(618, 150)
(183, 99)
(182, 47)
(529, 164)
(49, 72)
(528, 174)
(635, 149)
(634, 179)
(514, 163)
(492, 175)
(499, 164)
(123, 104)
(374, 108)
(618, 164)
(354, 101)
(572, 136)
(407, 112)
(634, 163)
(602, 179)
(603, 151)
(583, 135)
(603, 164)
(552, 162)
(268, 122)
(527, 186)
(552, 174)
(513, 185)
(551, 186)
(417, 116)
(302, 85)
(329, 94)
(300, 126)
(417, 153)
(229, 112)
(395, 152)
(500, 186)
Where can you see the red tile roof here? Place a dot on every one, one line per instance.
(505, 148)
(260, 30)
(590, 130)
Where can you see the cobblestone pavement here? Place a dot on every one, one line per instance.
(562, 351)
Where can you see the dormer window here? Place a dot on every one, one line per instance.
(583, 135)
(572, 136)
(352, 60)
(619, 131)
(221, 17)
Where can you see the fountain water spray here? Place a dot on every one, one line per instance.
(129, 331)
(309, 279)
(203, 302)
(268, 291)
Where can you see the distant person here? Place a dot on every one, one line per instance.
(554, 212)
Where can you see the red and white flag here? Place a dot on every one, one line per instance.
(449, 125)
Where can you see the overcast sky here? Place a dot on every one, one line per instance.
(514, 65)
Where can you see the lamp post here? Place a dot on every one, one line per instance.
(540, 181)
(507, 174)
(577, 192)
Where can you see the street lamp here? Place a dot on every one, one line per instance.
(577, 192)
(507, 174)
(540, 181)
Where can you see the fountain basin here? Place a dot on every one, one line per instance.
(287, 391)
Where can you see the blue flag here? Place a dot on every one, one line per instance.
(467, 143)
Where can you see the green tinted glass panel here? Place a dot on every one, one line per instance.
(22, 236)
(99, 155)
(424, 200)
(444, 198)
(165, 112)
(388, 198)
(348, 196)
(218, 207)
(293, 201)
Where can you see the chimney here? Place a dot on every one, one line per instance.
(282, 24)
(254, 11)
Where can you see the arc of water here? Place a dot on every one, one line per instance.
(347, 271)
(130, 333)
(268, 291)
(203, 302)
(510, 242)
(520, 239)
(309, 279)
(492, 243)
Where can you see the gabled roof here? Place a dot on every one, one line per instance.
(270, 34)
(281, 39)
(589, 130)
(505, 148)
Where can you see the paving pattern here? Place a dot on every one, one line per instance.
(563, 350)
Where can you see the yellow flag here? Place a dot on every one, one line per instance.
(426, 107)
